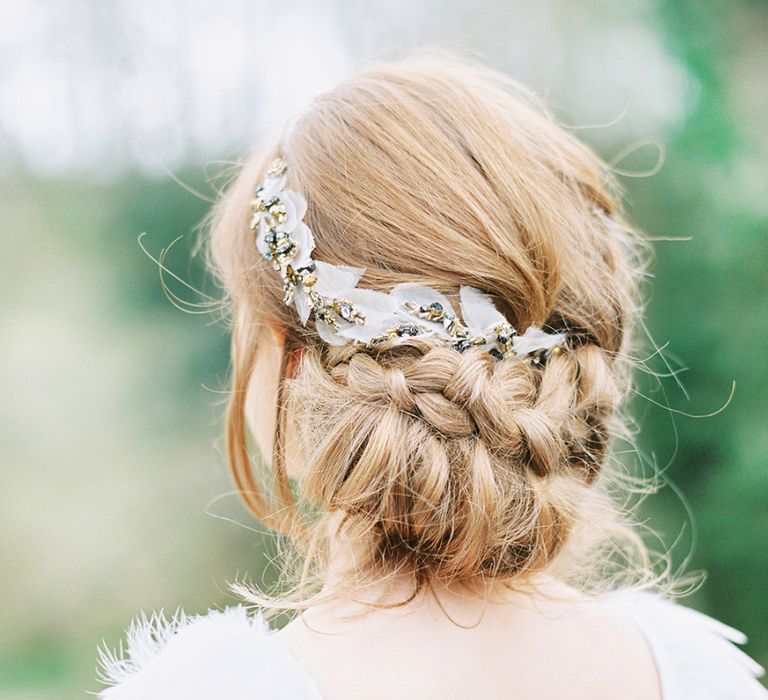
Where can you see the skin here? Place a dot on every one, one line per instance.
(541, 640)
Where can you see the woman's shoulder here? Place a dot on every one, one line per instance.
(226, 653)
(695, 653)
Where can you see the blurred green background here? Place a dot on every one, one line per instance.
(115, 493)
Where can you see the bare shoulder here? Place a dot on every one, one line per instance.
(539, 648)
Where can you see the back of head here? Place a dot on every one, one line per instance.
(451, 466)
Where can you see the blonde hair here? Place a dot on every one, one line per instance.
(452, 467)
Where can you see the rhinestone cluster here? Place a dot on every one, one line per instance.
(345, 313)
(271, 211)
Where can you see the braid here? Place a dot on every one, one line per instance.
(446, 455)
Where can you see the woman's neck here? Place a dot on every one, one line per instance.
(347, 558)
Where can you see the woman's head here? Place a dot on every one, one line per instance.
(449, 466)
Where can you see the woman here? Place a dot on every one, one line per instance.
(434, 301)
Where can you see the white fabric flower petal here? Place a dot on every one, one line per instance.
(261, 243)
(535, 339)
(290, 214)
(365, 332)
(478, 311)
(419, 294)
(372, 303)
(299, 203)
(434, 330)
(273, 186)
(332, 280)
(305, 244)
(295, 208)
(379, 309)
(327, 333)
(302, 304)
(423, 296)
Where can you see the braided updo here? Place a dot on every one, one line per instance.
(460, 463)
(452, 466)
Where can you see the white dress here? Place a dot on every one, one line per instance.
(232, 655)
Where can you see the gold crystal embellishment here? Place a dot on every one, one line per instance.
(344, 313)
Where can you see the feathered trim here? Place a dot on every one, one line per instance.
(147, 637)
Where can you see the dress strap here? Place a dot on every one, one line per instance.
(696, 654)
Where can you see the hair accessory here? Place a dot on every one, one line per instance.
(345, 313)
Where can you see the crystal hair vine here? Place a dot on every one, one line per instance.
(346, 314)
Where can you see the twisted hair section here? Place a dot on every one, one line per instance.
(447, 458)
